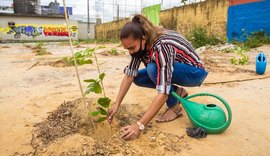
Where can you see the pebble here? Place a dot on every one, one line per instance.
(152, 139)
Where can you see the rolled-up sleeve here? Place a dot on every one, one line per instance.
(132, 68)
(164, 60)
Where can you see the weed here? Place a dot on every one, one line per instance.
(42, 51)
(255, 39)
(39, 50)
(236, 49)
(75, 43)
(39, 45)
(242, 61)
(198, 37)
(113, 51)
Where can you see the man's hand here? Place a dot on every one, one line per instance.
(130, 132)
(112, 111)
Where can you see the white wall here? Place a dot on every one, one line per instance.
(83, 33)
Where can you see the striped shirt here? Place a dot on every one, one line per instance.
(167, 49)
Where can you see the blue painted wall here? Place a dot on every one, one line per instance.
(247, 18)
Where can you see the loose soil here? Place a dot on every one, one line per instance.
(42, 112)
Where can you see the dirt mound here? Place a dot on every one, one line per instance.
(60, 63)
(57, 63)
(68, 131)
(59, 123)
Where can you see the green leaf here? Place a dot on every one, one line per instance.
(102, 111)
(89, 61)
(101, 76)
(88, 52)
(89, 80)
(104, 102)
(87, 91)
(94, 113)
(95, 87)
(82, 61)
(101, 119)
(78, 54)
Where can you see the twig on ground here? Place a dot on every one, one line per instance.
(33, 65)
(238, 80)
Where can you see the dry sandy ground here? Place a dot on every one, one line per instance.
(26, 97)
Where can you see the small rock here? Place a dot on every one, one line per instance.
(152, 139)
(200, 49)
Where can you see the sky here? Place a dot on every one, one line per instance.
(107, 9)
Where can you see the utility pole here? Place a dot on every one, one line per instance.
(88, 20)
(117, 12)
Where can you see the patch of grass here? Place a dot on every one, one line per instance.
(39, 50)
(257, 39)
(114, 51)
(241, 61)
(42, 51)
(236, 49)
(199, 37)
(254, 40)
(75, 43)
(39, 44)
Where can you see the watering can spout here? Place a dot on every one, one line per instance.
(210, 117)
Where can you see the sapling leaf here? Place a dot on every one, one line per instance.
(88, 52)
(102, 111)
(94, 87)
(101, 76)
(89, 80)
(97, 88)
(104, 102)
(91, 85)
(89, 61)
(78, 54)
(94, 113)
(101, 119)
(87, 91)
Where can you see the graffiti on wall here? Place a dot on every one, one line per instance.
(26, 30)
(32, 30)
(59, 30)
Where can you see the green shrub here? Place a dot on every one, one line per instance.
(199, 37)
(257, 39)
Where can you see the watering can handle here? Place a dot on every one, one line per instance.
(222, 100)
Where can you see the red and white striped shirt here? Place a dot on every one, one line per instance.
(167, 49)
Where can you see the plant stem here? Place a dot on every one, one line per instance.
(102, 85)
(76, 68)
(99, 74)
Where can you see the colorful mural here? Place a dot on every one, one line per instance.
(247, 16)
(33, 30)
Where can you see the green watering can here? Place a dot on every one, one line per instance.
(210, 117)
